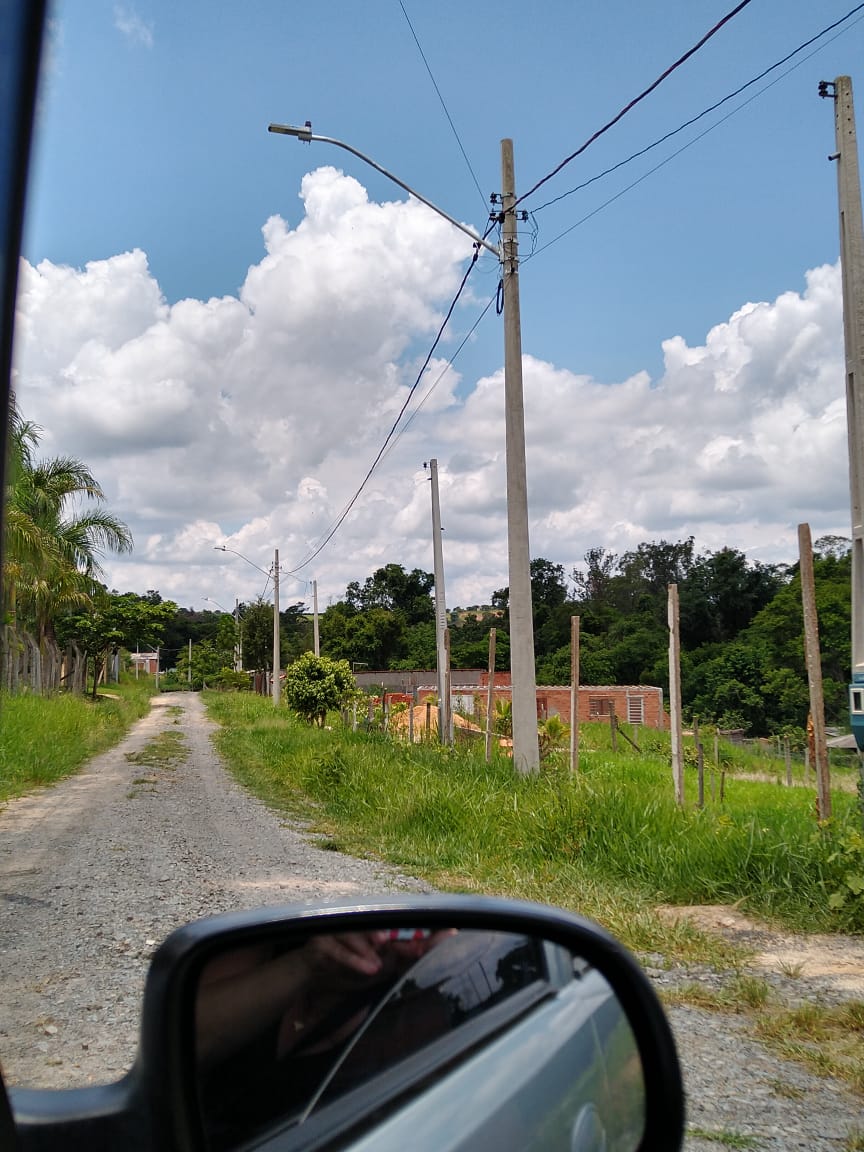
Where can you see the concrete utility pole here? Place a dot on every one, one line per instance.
(316, 644)
(238, 642)
(852, 263)
(276, 656)
(526, 749)
(441, 647)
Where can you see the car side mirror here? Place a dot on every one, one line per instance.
(440, 1022)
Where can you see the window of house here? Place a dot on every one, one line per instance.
(635, 709)
(599, 706)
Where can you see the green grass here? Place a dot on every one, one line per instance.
(610, 843)
(43, 739)
(828, 1039)
(166, 751)
(724, 1136)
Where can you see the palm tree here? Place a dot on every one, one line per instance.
(53, 544)
(504, 717)
(553, 733)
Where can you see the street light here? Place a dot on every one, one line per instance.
(526, 755)
(275, 574)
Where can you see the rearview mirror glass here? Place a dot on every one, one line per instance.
(510, 1039)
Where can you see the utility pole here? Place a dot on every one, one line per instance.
(276, 656)
(238, 643)
(852, 264)
(441, 648)
(189, 670)
(316, 644)
(526, 750)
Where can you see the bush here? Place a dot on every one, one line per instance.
(316, 685)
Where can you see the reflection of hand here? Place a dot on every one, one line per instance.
(366, 953)
(357, 951)
(340, 965)
(242, 991)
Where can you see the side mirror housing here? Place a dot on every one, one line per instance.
(440, 1023)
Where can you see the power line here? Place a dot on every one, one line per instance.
(636, 100)
(443, 105)
(440, 376)
(695, 139)
(709, 110)
(340, 519)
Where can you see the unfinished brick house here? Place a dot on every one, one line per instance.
(638, 704)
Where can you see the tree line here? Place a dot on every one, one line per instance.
(56, 532)
(741, 621)
(741, 628)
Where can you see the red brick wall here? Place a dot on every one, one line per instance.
(636, 703)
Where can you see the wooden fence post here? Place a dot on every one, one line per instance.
(814, 671)
(675, 695)
(613, 726)
(574, 693)
(700, 764)
(490, 694)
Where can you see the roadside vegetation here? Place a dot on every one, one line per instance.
(609, 842)
(44, 738)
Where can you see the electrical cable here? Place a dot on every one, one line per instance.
(439, 378)
(443, 105)
(689, 143)
(709, 110)
(331, 532)
(636, 100)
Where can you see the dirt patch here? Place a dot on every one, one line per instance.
(832, 961)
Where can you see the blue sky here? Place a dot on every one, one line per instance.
(152, 137)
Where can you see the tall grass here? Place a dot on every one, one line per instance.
(610, 842)
(43, 739)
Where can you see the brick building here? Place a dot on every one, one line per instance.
(638, 704)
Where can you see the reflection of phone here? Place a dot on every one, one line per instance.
(404, 935)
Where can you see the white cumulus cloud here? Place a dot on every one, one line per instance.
(250, 421)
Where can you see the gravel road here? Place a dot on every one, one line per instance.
(97, 870)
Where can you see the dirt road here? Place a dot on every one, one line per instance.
(96, 871)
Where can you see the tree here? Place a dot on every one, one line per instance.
(374, 637)
(52, 543)
(395, 590)
(257, 632)
(721, 594)
(316, 685)
(111, 621)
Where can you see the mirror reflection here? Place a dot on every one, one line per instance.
(301, 1038)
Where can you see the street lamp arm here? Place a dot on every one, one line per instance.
(305, 134)
(222, 548)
